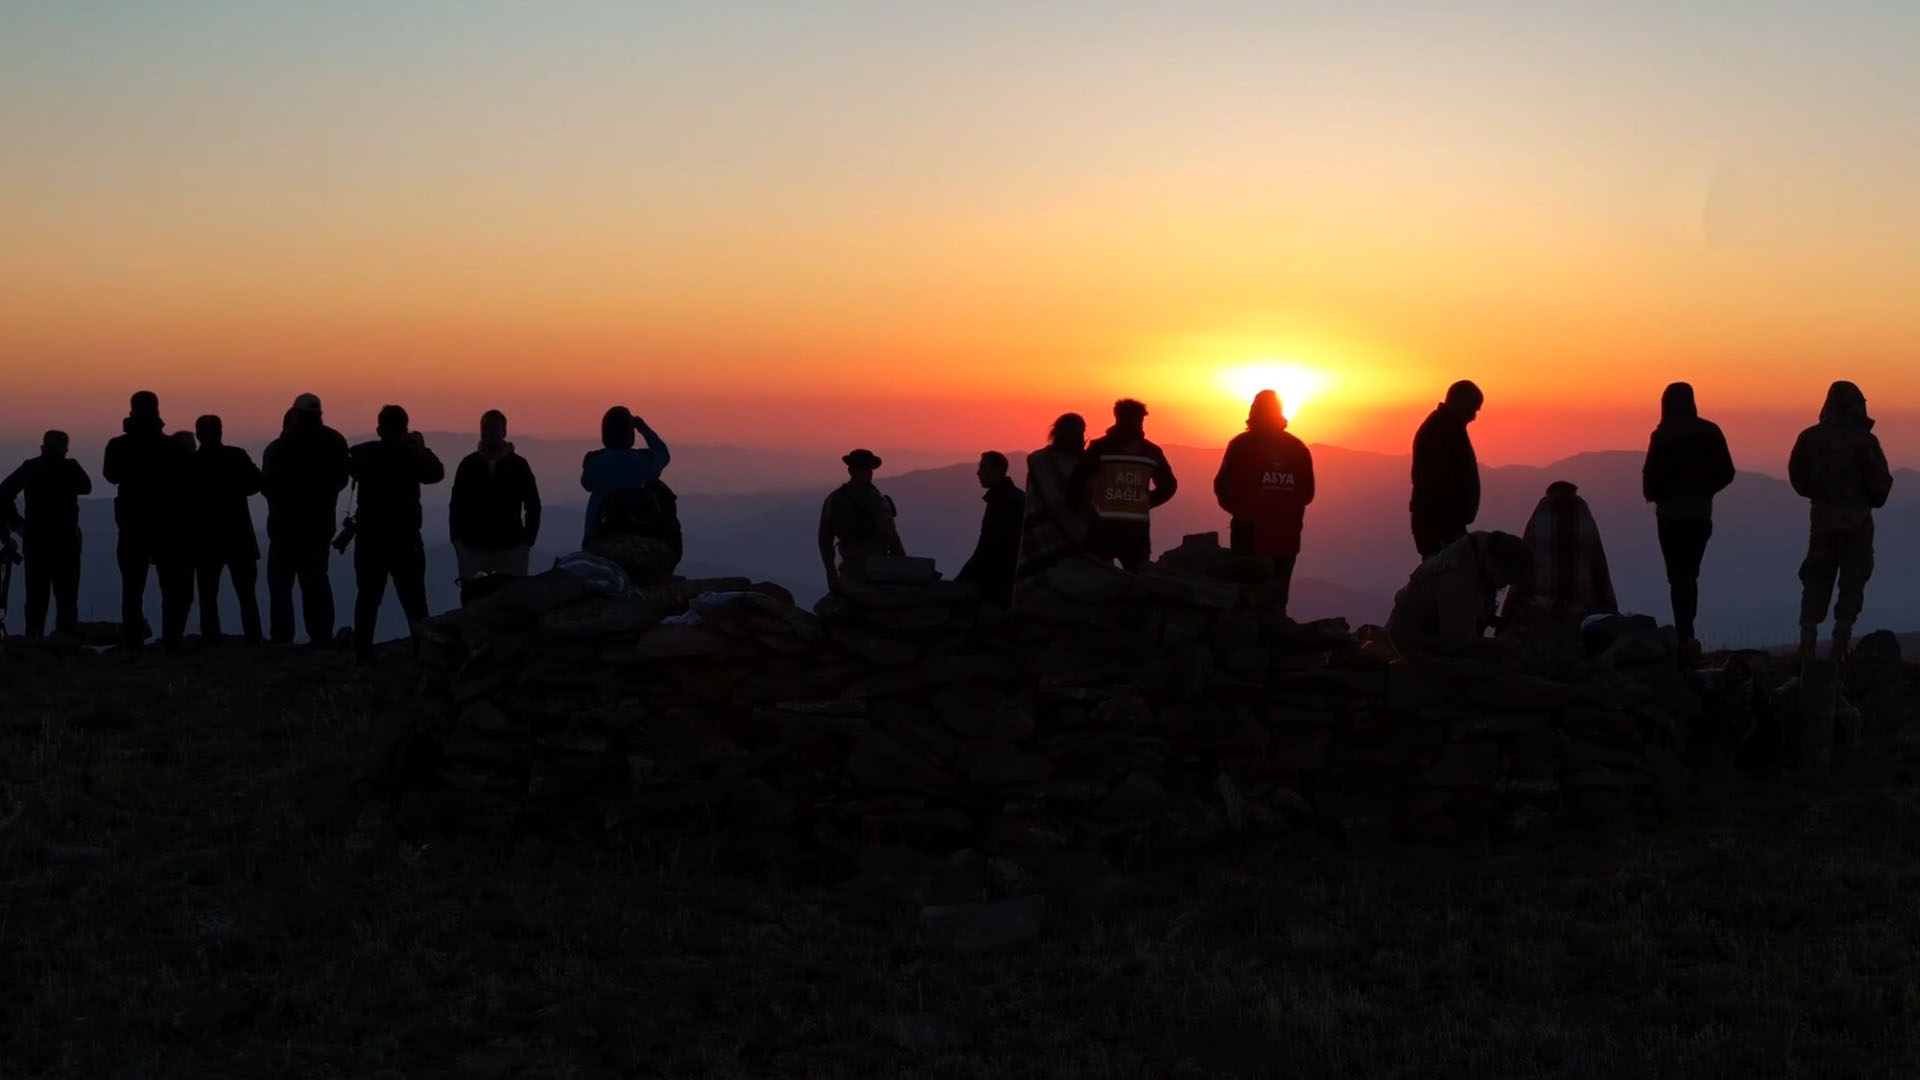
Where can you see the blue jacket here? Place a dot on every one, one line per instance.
(609, 470)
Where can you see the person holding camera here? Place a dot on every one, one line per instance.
(53, 484)
(302, 475)
(386, 525)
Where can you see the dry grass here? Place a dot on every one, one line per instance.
(252, 916)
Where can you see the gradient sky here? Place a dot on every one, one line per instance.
(938, 225)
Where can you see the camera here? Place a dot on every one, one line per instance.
(348, 527)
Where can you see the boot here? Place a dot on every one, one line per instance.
(1809, 641)
(1842, 640)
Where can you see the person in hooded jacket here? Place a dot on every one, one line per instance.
(149, 467)
(1448, 602)
(991, 567)
(389, 471)
(1446, 474)
(1055, 526)
(1838, 466)
(494, 516)
(302, 475)
(1688, 463)
(1122, 478)
(1265, 484)
(1570, 578)
(222, 479)
(53, 484)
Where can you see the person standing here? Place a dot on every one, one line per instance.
(223, 479)
(302, 475)
(991, 568)
(1838, 466)
(1446, 475)
(1055, 527)
(859, 519)
(1265, 484)
(53, 484)
(1688, 463)
(494, 516)
(149, 467)
(389, 471)
(1123, 478)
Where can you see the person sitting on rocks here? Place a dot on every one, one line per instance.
(633, 518)
(1570, 579)
(859, 519)
(1054, 528)
(991, 568)
(1122, 478)
(1448, 602)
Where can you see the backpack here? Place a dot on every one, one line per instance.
(652, 512)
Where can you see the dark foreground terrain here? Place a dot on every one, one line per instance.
(194, 881)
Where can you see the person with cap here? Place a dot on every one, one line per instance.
(1265, 484)
(149, 469)
(1570, 579)
(624, 473)
(1055, 527)
(1448, 602)
(302, 475)
(389, 471)
(53, 484)
(1687, 464)
(1121, 479)
(991, 567)
(1446, 475)
(494, 516)
(859, 519)
(223, 478)
(1839, 467)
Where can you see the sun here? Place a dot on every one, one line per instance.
(1297, 384)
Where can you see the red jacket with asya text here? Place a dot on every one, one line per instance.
(1265, 482)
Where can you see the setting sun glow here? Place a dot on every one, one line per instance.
(1296, 384)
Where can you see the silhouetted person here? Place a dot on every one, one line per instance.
(1056, 523)
(389, 471)
(1688, 463)
(859, 519)
(1121, 479)
(1446, 475)
(1570, 578)
(50, 532)
(997, 552)
(1265, 483)
(149, 467)
(223, 479)
(1448, 602)
(618, 468)
(1839, 466)
(494, 517)
(303, 473)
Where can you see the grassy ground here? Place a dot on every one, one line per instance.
(248, 914)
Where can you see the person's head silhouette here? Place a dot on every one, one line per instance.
(1069, 433)
(1265, 413)
(393, 423)
(210, 430)
(1466, 400)
(54, 444)
(861, 465)
(1129, 415)
(616, 428)
(993, 468)
(493, 429)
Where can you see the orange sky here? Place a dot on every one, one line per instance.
(941, 228)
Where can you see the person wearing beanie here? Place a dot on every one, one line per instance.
(1448, 602)
(302, 475)
(1837, 465)
(859, 520)
(223, 478)
(1446, 475)
(149, 469)
(1688, 463)
(1122, 479)
(53, 484)
(390, 470)
(1265, 484)
(494, 516)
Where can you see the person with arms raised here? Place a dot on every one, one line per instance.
(389, 471)
(302, 475)
(1446, 475)
(53, 484)
(494, 517)
(1688, 463)
(1265, 484)
(223, 478)
(1838, 466)
(149, 467)
(1122, 479)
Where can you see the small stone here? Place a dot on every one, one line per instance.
(1139, 795)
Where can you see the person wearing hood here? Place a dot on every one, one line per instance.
(1122, 478)
(1688, 463)
(1570, 578)
(389, 471)
(991, 568)
(302, 475)
(223, 478)
(1265, 484)
(1448, 602)
(53, 484)
(618, 468)
(859, 520)
(149, 467)
(1838, 466)
(1054, 528)
(1446, 475)
(494, 516)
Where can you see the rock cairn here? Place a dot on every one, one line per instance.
(1111, 709)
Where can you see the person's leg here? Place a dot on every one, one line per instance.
(1855, 569)
(39, 584)
(370, 570)
(1283, 580)
(207, 577)
(66, 590)
(1683, 544)
(280, 575)
(409, 567)
(517, 561)
(312, 561)
(132, 556)
(1817, 574)
(245, 574)
(176, 598)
